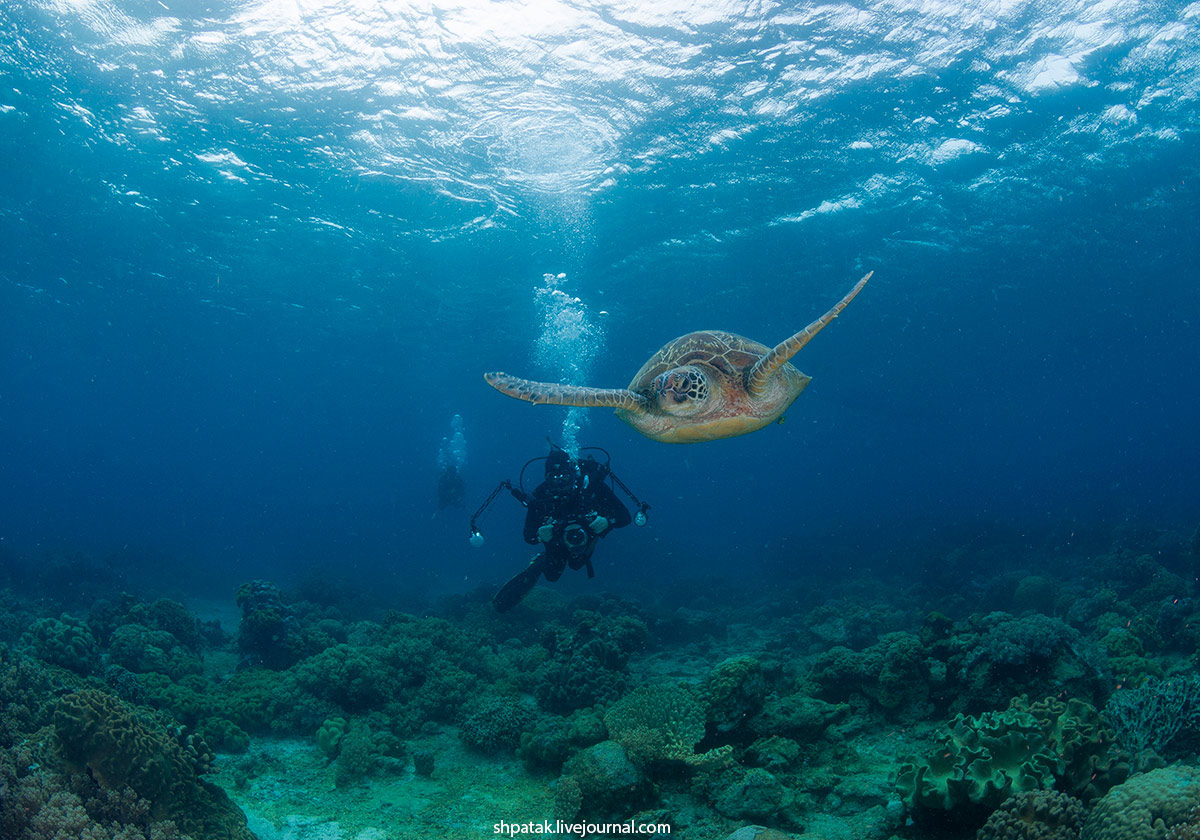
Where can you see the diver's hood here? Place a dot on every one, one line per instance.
(558, 463)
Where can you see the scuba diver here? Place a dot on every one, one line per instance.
(568, 513)
(452, 457)
(450, 489)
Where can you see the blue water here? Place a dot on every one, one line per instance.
(255, 256)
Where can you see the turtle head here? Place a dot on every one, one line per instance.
(681, 391)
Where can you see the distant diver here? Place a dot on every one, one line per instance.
(452, 457)
(568, 513)
(702, 386)
(450, 488)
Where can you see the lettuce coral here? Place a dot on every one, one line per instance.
(980, 761)
(984, 760)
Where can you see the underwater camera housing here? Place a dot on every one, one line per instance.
(575, 536)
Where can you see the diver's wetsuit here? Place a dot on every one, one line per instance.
(565, 508)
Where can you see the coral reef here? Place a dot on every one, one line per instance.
(63, 641)
(980, 761)
(588, 664)
(734, 691)
(1035, 815)
(601, 780)
(99, 735)
(142, 650)
(496, 723)
(1144, 807)
(983, 761)
(820, 711)
(1156, 716)
(660, 723)
(269, 633)
(895, 675)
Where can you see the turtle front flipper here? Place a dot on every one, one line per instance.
(758, 376)
(550, 393)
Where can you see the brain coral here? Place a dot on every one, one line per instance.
(1146, 806)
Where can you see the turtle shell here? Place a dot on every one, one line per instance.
(724, 352)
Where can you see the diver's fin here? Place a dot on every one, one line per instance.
(758, 376)
(550, 393)
(518, 586)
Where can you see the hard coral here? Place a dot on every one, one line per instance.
(496, 723)
(734, 691)
(1156, 714)
(751, 794)
(1144, 807)
(1035, 815)
(65, 641)
(658, 723)
(1035, 654)
(356, 756)
(143, 650)
(894, 675)
(98, 732)
(1187, 830)
(600, 780)
(589, 663)
(268, 633)
(797, 716)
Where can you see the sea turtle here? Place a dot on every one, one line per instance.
(702, 386)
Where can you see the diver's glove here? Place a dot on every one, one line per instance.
(598, 525)
(546, 533)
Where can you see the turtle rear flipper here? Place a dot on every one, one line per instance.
(758, 376)
(551, 393)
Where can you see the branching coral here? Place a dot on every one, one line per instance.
(1153, 715)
